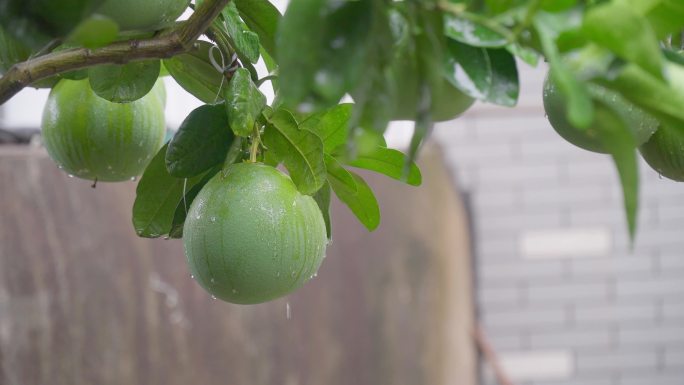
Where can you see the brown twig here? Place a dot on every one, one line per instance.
(490, 355)
(168, 44)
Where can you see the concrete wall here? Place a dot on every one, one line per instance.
(563, 298)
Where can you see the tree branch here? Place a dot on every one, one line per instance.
(173, 42)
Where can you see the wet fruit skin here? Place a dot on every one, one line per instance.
(664, 152)
(640, 123)
(251, 237)
(92, 138)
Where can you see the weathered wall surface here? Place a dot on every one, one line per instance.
(83, 301)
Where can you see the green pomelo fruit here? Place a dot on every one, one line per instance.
(640, 123)
(664, 152)
(143, 15)
(251, 237)
(92, 138)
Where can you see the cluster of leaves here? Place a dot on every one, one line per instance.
(621, 45)
(236, 124)
(396, 59)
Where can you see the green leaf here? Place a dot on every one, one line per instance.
(246, 42)
(300, 150)
(194, 72)
(322, 198)
(656, 97)
(202, 141)
(471, 33)
(389, 162)
(263, 18)
(580, 107)
(184, 205)
(124, 83)
(664, 16)
(95, 31)
(322, 47)
(619, 141)
(157, 197)
(486, 74)
(505, 86)
(528, 55)
(244, 103)
(331, 125)
(618, 28)
(557, 5)
(339, 174)
(361, 202)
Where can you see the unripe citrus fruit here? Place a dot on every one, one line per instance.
(95, 139)
(251, 237)
(143, 15)
(641, 124)
(664, 152)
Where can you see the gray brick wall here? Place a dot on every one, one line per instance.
(556, 276)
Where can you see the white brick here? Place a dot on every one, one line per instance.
(521, 318)
(492, 274)
(510, 221)
(612, 266)
(670, 262)
(673, 308)
(598, 169)
(585, 338)
(517, 174)
(644, 313)
(650, 286)
(663, 335)
(496, 127)
(499, 296)
(674, 357)
(566, 243)
(654, 378)
(617, 361)
(557, 196)
(568, 292)
(537, 365)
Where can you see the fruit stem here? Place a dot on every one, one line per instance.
(256, 139)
